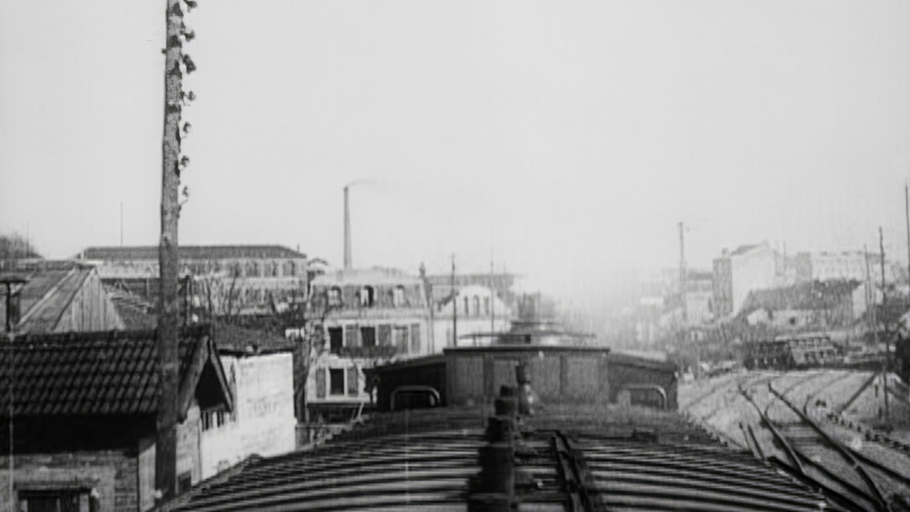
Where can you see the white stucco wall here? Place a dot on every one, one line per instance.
(263, 421)
(755, 270)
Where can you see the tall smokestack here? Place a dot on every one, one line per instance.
(347, 231)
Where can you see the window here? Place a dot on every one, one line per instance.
(63, 500)
(476, 306)
(213, 419)
(320, 383)
(353, 381)
(367, 294)
(336, 381)
(184, 482)
(486, 305)
(368, 336)
(398, 296)
(467, 309)
(415, 339)
(401, 339)
(336, 339)
(335, 296)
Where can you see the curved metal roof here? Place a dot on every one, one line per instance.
(428, 459)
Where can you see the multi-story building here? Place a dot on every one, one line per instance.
(225, 280)
(475, 311)
(371, 316)
(736, 273)
(845, 265)
(502, 283)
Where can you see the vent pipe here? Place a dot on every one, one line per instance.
(347, 231)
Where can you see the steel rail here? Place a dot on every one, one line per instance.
(797, 469)
(578, 476)
(840, 448)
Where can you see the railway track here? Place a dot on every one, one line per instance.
(856, 478)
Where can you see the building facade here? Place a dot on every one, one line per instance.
(479, 313)
(845, 265)
(370, 316)
(225, 280)
(259, 369)
(750, 267)
(87, 440)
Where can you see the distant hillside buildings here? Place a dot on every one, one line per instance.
(763, 286)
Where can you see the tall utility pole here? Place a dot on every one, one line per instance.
(454, 307)
(168, 362)
(682, 271)
(492, 298)
(348, 260)
(884, 318)
(907, 216)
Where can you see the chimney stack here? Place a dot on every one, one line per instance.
(347, 231)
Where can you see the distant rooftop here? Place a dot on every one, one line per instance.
(191, 252)
(370, 276)
(93, 373)
(50, 288)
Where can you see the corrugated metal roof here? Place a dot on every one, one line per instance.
(427, 460)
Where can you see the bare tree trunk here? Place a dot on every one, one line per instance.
(168, 363)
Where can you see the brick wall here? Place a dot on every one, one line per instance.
(112, 475)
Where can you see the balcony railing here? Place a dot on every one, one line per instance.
(378, 352)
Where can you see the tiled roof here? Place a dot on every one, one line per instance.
(191, 252)
(101, 373)
(426, 460)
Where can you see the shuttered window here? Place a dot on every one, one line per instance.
(352, 336)
(320, 382)
(385, 335)
(401, 339)
(415, 339)
(353, 381)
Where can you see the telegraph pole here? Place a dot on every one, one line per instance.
(682, 272)
(492, 298)
(168, 362)
(887, 365)
(454, 307)
(907, 216)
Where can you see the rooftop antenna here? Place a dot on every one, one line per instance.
(347, 231)
(454, 306)
(492, 296)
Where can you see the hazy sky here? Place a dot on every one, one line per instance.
(567, 137)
